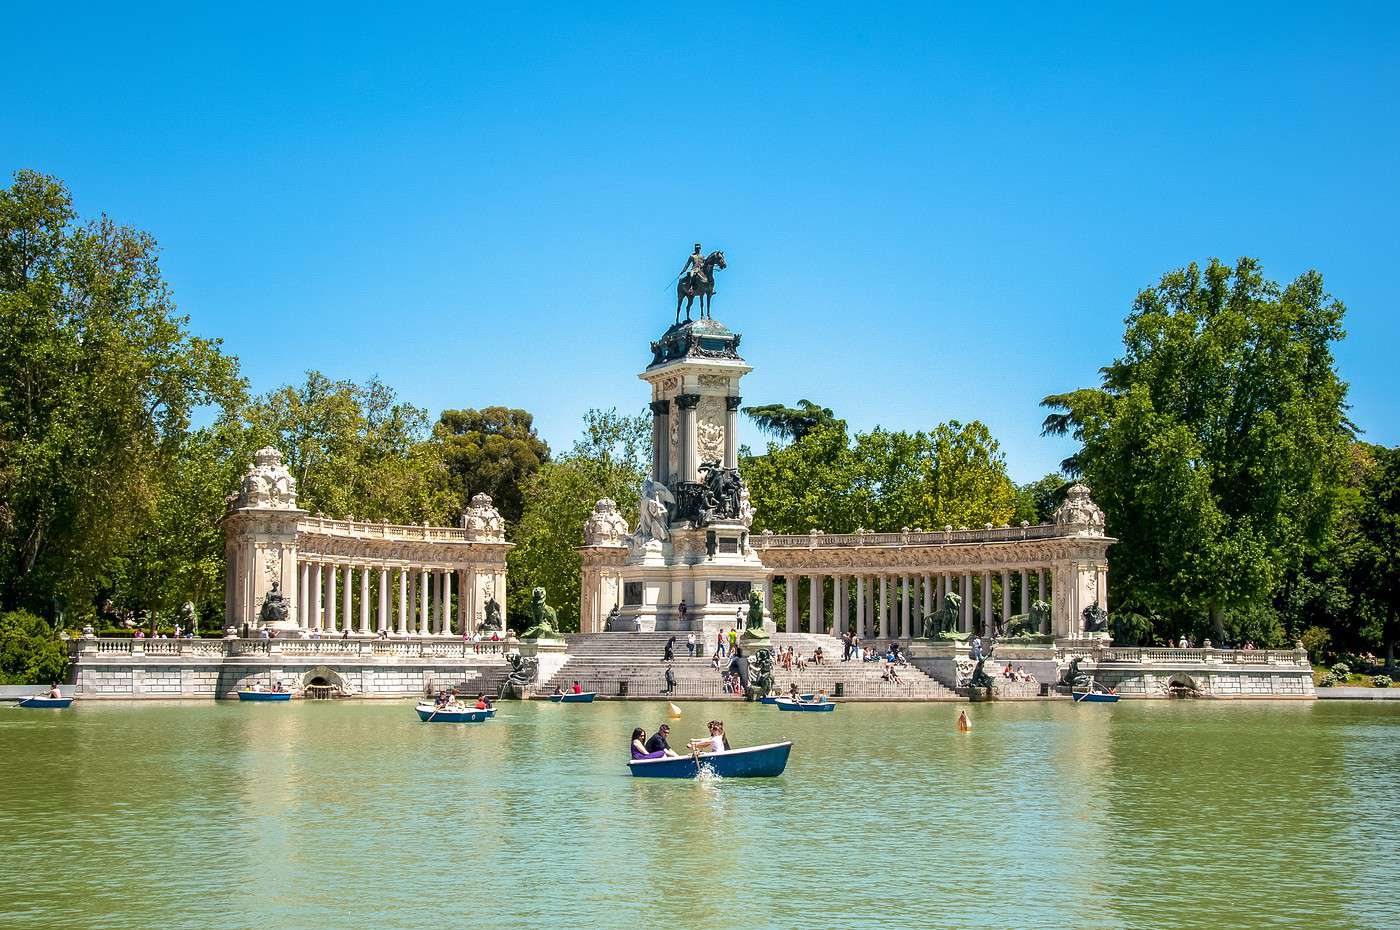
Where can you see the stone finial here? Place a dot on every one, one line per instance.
(482, 521)
(605, 526)
(266, 484)
(1080, 512)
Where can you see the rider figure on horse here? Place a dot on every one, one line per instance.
(694, 270)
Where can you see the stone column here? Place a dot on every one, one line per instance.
(905, 625)
(930, 598)
(814, 601)
(313, 617)
(791, 595)
(987, 603)
(425, 588)
(1025, 594)
(1042, 593)
(401, 627)
(303, 578)
(837, 604)
(330, 622)
(349, 597)
(1005, 599)
(445, 602)
(731, 431)
(464, 626)
(382, 620)
(411, 623)
(965, 622)
(364, 600)
(661, 440)
(882, 610)
(860, 605)
(686, 403)
(768, 597)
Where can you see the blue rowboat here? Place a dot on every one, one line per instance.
(569, 697)
(428, 713)
(754, 762)
(41, 701)
(264, 695)
(773, 698)
(1094, 697)
(811, 707)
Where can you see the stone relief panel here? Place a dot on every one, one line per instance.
(709, 429)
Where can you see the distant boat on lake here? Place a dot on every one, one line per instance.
(264, 695)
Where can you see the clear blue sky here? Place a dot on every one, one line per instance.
(485, 205)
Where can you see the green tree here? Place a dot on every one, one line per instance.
(803, 485)
(1215, 443)
(356, 450)
(609, 460)
(790, 424)
(177, 553)
(1036, 502)
(881, 481)
(495, 450)
(98, 379)
(1376, 576)
(30, 651)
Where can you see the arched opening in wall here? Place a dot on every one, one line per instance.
(321, 683)
(1183, 686)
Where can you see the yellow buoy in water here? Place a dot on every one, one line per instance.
(673, 711)
(964, 725)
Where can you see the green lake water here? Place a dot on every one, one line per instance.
(355, 815)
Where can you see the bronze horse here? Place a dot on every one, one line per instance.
(687, 291)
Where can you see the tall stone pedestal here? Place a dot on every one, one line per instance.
(657, 576)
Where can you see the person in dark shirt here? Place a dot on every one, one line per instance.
(658, 742)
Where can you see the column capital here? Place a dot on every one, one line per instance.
(661, 407)
(687, 401)
(732, 402)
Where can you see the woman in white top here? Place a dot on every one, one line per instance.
(715, 742)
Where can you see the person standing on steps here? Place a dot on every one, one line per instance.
(690, 644)
(670, 654)
(670, 681)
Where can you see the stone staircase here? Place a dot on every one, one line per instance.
(629, 665)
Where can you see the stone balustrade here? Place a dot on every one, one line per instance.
(1291, 658)
(909, 538)
(406, 648)
(394, 532)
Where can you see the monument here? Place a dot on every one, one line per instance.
(691, 540)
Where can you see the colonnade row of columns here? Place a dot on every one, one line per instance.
(889, 606)
(412, 600)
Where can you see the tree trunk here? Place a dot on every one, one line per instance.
(1217, 619)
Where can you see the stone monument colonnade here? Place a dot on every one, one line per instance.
(883, 584)
(303, 575)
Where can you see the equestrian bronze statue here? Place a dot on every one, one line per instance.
(697, 279)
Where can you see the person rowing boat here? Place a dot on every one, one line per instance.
(715, 742)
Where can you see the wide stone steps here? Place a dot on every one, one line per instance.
(606, 662)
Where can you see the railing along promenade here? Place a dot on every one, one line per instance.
(1148, 655)
(942, 537)
(425, 648)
